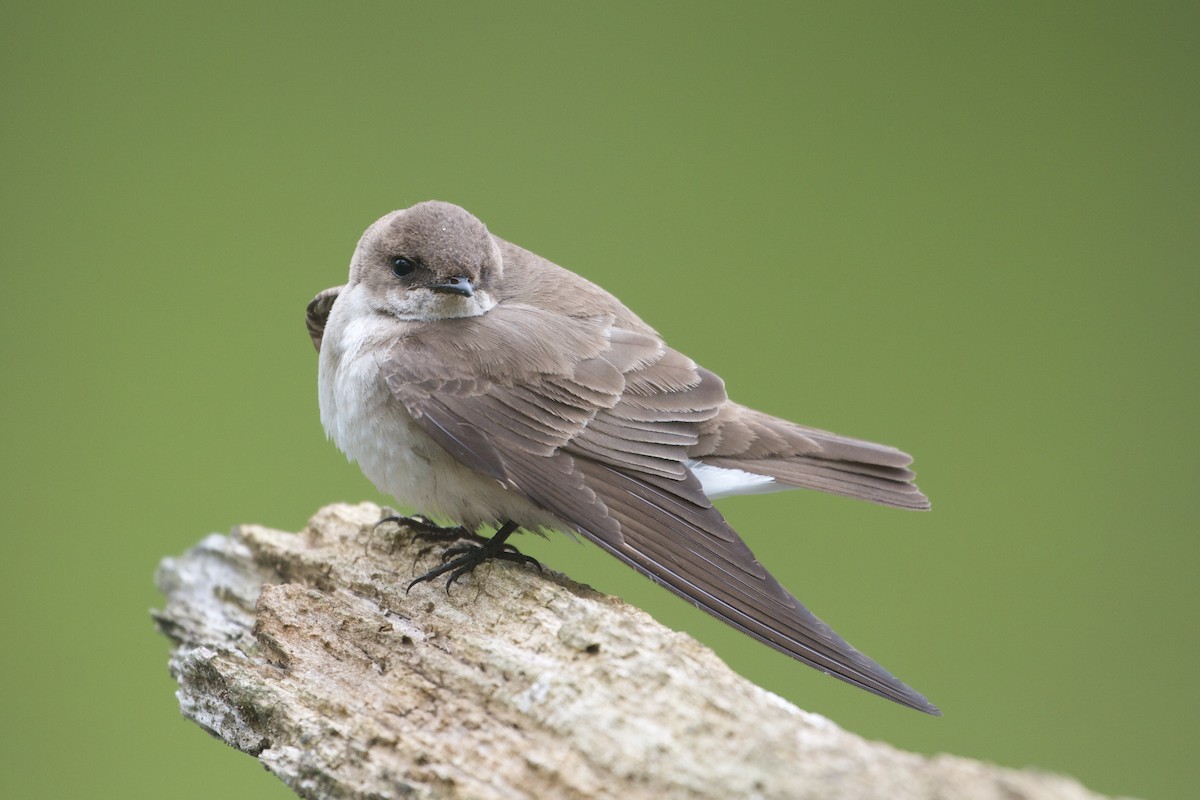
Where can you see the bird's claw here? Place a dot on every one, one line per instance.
(464, 558)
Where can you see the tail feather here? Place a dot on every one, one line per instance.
(846, 478)
(743, 439)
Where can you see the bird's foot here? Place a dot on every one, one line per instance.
(462, 559)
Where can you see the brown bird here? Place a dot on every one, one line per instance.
(476, 382)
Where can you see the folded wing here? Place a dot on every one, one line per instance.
(596, 424)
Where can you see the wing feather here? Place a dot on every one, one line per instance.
(317, 314)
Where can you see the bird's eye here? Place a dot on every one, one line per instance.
(402, 266)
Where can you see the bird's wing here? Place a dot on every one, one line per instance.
(593, 424)
(317, 314)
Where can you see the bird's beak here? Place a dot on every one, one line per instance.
(458, 284)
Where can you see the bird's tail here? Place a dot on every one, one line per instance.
(791, 455)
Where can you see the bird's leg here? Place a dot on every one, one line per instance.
(466, 557)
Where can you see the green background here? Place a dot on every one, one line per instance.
(969, 230)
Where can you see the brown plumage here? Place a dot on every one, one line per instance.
(479, 382)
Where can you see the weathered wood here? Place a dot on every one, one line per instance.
(305, 652)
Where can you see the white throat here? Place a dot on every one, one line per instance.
(426, 305)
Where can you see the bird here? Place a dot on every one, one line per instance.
(479, 383)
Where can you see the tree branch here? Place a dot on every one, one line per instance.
(304, 651)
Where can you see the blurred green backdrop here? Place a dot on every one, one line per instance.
(969, 230)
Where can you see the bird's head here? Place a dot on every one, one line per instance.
(428, 262)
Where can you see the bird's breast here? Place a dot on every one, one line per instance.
(375, 430)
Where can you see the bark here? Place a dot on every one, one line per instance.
(304, 651)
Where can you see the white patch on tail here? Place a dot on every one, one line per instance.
(719, 482)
